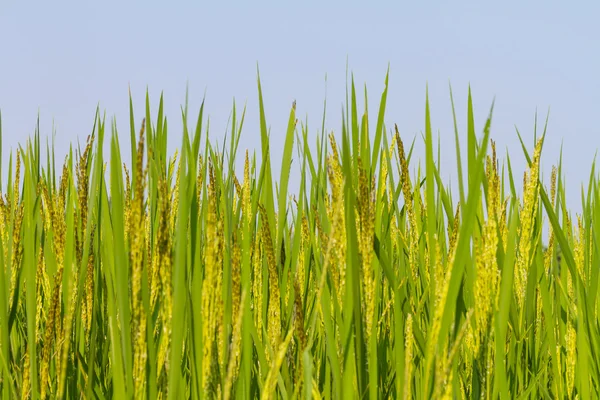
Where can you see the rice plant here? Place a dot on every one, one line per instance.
(180, 277)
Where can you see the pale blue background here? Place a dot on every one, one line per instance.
(65, 59)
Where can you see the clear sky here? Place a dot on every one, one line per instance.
(63, 60)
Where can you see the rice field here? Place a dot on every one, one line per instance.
(179, 276)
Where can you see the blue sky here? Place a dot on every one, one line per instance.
(63, 60)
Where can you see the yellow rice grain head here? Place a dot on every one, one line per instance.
(571, 357)
(273, 309)
(486, 268)
(17, 183)
(236, 350)
(51, 327)
(17, 249)
(219, 304)
(443, 278)
(548, 257)
(527, 216)
(137, 250)
(82, 196)
(246, 200)
(257, 284)
(42, 293)
(26, 382)
(89, 285)
(408, 357)
(236, 274)
(59, 224)
(366, 222)
(335, 213)
(300, 332)
(161, 282)
(4, 224)
(53, 321)
(442, 380)
(210, 291)
(453, 235)
(17, 245)
(413, 235)
(486, 281)
(175, 191)
(304, 251)
(66, 337)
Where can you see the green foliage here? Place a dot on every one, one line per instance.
(179, 277)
